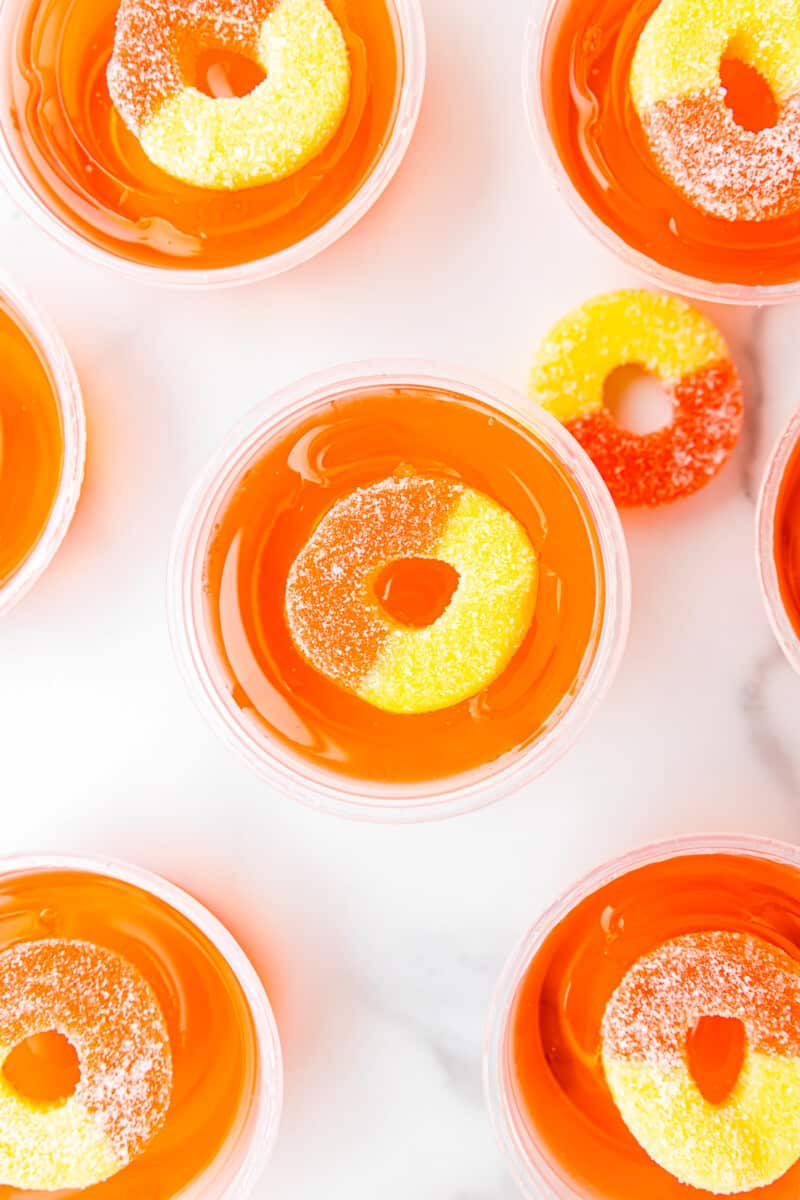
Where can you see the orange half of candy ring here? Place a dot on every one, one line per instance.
(678, 345)
(732, 172)
(752, 1137)
(340, 627)
(229, 143)
(105, 1008)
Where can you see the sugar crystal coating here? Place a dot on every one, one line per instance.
(230, 143)
(340, 628)
(678, 345)
(753, 1137)
(725, 170)
(105, 1008)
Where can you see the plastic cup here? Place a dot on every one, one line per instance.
(67, 392)
(210, 685)
(240, 1163)
(411, 43)
(525, 1158)
(536, 39)
(785, 631)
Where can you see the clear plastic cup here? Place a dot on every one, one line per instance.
(67, 392)
(526, 1160)
(210, 685)
(542, 22)
(785, 632)
(240, 1164)
(410, 28)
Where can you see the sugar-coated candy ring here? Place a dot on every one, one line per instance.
(678, 345)
(340, 628)
(105, 1008)
(230, 142)
(721, 167)
(753, 1137)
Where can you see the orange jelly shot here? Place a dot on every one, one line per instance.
(164, 1030)
(69, 147)
(650, 949)
(601, 142)
(401, 585)
(787, 539)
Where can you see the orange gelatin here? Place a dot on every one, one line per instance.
(787, 539)
(354, 443)
(74, 150)
(591, 118)
(558, 1014)
(31, 444)
(211, 1031)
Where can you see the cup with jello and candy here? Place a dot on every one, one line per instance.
(673, 129)
(399, 593)
(139, 1052)
(42, 444)
(207, 143)
(779, 540)
(645, 1036)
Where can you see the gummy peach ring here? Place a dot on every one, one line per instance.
(724, 169)
(230, 142)
(341, 629)
(753, 1137)
(678, 345)
(105, 1008)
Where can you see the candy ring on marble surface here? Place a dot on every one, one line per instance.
(752, 1137)
(728, 171)
(108, 1012)
(678, 345)
(341, 629)
(234, 142)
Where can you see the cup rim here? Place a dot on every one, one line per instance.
(534, 45)
(534, 1176)
(311, 785)
(46, 340)
(412, 43)
(769, 494)
(269, 1094)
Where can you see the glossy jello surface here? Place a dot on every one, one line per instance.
(587, 55)
(558, 1013)
(75, 152)
(31, 443)
(353, 443)
(787, 539)
(211, 1032)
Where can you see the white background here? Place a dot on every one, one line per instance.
(380, 946)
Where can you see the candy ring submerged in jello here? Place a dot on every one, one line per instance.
(678, 345)
(109, 1013)
(727, 170)
(341, 629)
(751, 1137)
(239, 141)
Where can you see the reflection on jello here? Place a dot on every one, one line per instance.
(610, 1005)
(633, 175)
(74, 151)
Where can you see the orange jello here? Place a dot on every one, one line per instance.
(68, 149)
(621, 966)
(787, 539)
(41, 445)
(779, 540)
(598, 141)
(492, 498)
(151, 949)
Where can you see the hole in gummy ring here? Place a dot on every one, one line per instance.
(748, 95)
(715, 1051)
(416, 591)
(44, 1068)
(224, 74)
(636, 400)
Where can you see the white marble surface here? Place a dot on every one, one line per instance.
(380, 946)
